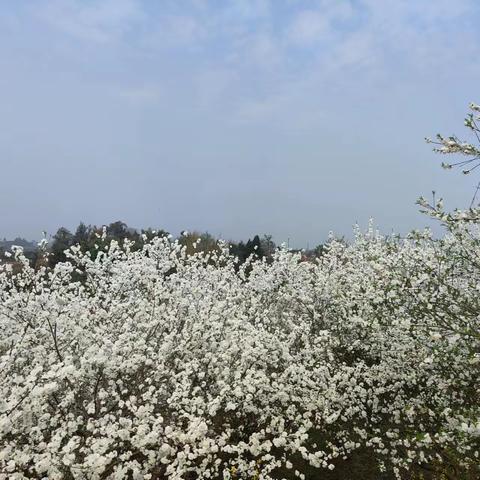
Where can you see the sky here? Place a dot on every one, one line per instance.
(236, 117)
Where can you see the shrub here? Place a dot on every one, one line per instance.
(159, 364)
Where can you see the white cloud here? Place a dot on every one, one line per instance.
(308, 27)
(248, 9)
(173, 31)
(359, 48)
(260, 51)
(264, 50)
(313, 25)
(100, 21)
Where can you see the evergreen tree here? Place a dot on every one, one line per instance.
(82, 235)
(62, 240)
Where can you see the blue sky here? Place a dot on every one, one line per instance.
(287, 117)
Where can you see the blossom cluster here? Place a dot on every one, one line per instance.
(156, 364)
(453, 145)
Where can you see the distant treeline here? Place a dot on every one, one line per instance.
(90, 236)
(19, 242)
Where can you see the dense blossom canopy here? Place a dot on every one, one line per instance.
(158, 364)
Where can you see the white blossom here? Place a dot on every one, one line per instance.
(158, 363)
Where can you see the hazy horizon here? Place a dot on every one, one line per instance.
(291, 118)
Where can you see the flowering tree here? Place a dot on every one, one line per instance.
(154, 363)
(469, 152)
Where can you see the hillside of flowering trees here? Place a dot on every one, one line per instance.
(156, 363)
